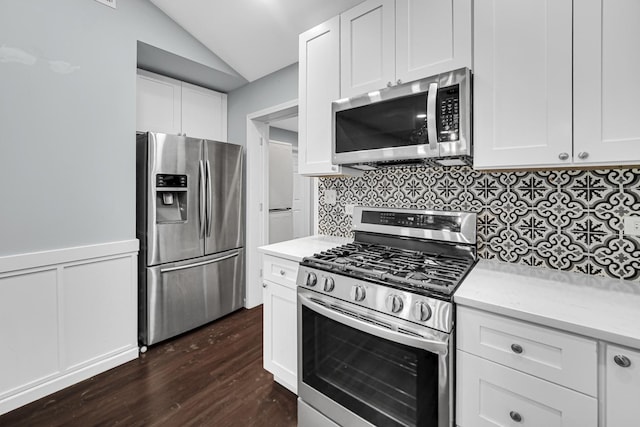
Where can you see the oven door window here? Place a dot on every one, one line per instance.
(386, 383)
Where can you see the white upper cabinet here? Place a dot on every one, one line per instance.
(522, 83)
(367, 47)
(319, 85)
(555, 83)
(387, 42)
(170, 106)
(606, 49)
(158, 103)
(204, 113)
(418, 24)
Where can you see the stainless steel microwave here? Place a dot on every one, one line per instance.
(425, 121)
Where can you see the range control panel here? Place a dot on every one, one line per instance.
(175, 181)
(412, 220)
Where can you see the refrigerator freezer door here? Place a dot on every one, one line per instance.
(225, 218)
(182, 296)
(280, 226)
(280, 175)
(172, 213)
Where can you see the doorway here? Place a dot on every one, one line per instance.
(268, 128)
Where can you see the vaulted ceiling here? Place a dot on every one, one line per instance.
(255, 37)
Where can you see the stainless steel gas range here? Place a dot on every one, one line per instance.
(375, 320)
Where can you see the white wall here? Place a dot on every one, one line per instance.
(67, 117)
(271, 90)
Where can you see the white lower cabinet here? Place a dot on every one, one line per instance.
(280, 320)
(490, 394)
(622, 387)
(511, 372)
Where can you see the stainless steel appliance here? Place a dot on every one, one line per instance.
(190, 224)
(425, 121)
(280, 192)
(375, 320)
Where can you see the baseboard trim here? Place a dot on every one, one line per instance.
(34, 393)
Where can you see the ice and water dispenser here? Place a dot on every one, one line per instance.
(171, 198)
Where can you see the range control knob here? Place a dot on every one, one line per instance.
(311, 279)
(394, 303)
(421, 311)
(328, 284)
(358, 293)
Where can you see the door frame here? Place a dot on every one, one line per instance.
(257, 212)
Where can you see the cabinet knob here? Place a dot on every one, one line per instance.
(583, 155)
(622, 361)
(563, 156)
(515, 416)
(282, 272)
(399, 82)
(388, 84)
(516, 348)
(264, 285)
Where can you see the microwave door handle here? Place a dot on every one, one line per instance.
(432, 131)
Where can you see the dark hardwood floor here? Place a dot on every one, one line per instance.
(209, 377)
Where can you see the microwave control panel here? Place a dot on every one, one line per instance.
(448, 113)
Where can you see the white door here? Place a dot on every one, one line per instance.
(418, 24)
(606, 84)
(280, 334)
(522, 83)
(204, 113)
(622, 387)
(158, 103)
(367, 47)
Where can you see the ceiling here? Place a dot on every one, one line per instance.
(255, 37)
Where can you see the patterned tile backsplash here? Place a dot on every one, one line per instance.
(561, 219)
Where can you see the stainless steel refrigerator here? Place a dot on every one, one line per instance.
(190, 223)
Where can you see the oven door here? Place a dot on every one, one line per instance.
(359, 367)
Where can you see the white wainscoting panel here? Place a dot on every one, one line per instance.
(65, 316)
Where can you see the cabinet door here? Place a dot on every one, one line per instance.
(606, 85)
(158, 103)
(204, 113)
(418, 24)
(522, 83)
(367, 47)
(622, 387)
(280, 334)
(491, 395)
(319, 85)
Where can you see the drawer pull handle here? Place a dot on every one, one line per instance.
(516, 348)
(622, 361)
(282, 272)
(515, 416)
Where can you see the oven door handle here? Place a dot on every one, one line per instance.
(434, 344)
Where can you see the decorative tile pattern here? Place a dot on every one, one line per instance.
(559, 219)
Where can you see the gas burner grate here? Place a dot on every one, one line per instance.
(401, 267)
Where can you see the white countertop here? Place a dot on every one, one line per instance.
(601, 308)
(297, 249)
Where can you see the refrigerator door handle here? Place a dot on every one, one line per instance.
(198, 264)
(209, 191)
(203, 192)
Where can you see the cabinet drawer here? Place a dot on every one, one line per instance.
(552, 355)
(280, 270)
(490, 394)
